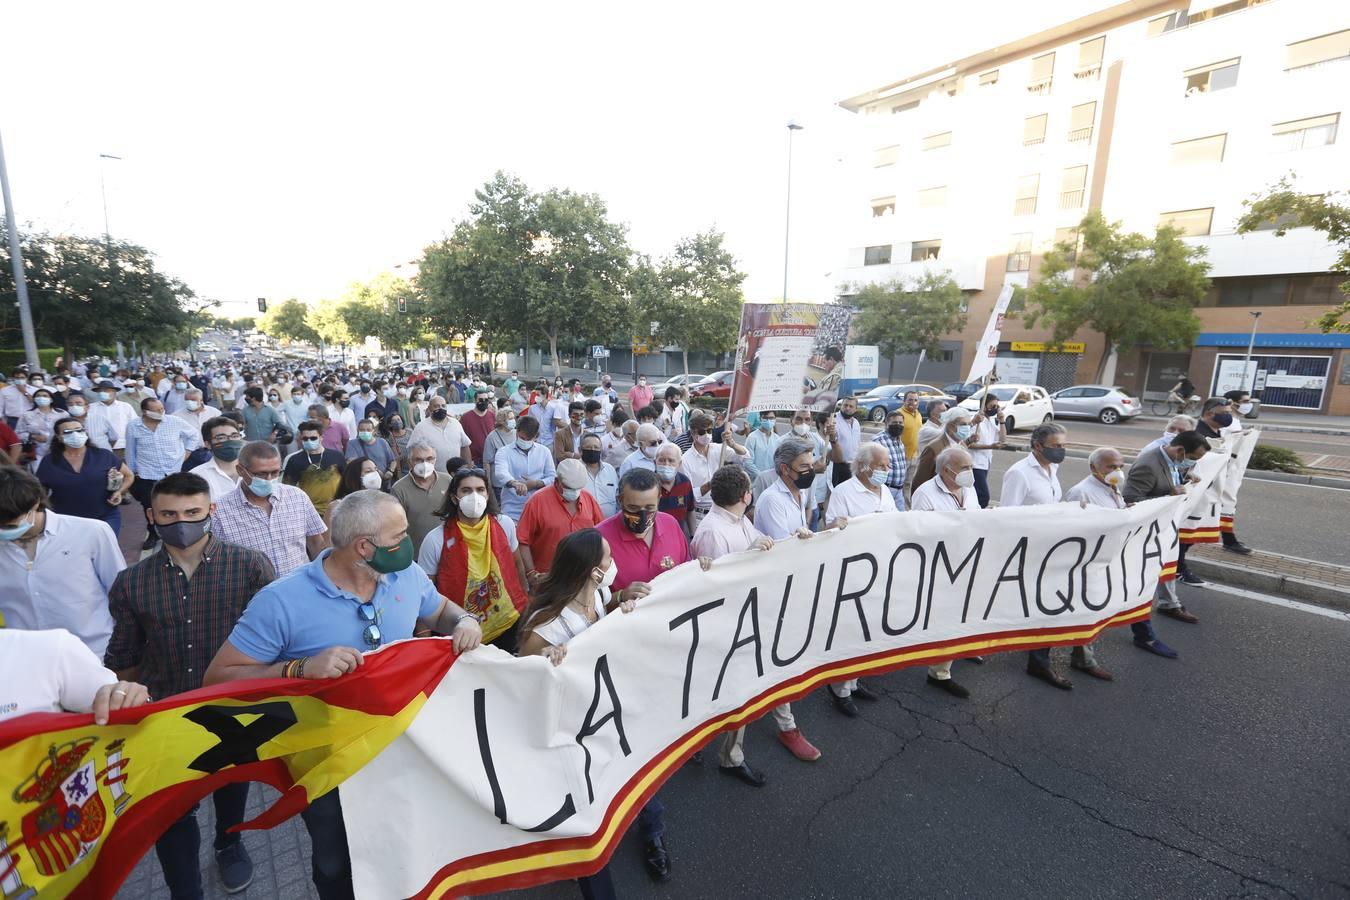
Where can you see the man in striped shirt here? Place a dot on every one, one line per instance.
(893, 439)
(266, 515)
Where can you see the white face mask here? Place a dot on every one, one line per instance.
(650, 452)
(801, 429)
(965, 478)
(1244, 409)
(371, 481)
(1115, 478)
(424, 469)
(473, 505)
(610, 574)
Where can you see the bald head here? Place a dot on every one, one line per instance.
(951, 462)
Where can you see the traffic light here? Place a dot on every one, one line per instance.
(402, 304)
(262, 304)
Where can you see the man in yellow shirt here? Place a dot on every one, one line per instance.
(913, 422)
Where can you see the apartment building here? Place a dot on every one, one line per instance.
(1153, 112)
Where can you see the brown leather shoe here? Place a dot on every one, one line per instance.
(1094, 670)
(1180, 614)
(1049, 676)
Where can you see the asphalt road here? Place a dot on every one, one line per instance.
(1136, 433)
(1220, 774)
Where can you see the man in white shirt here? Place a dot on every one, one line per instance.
(672, 419)
(14, 398)
(783, 511)
(649, 439)
(196, 412)
(847, 437)
(619, 445)
(1034, 481)
(989, 435)
(866, 492)
(703, 460)
(952, 489)
(1100, 488)
(51, 671)
(443, 431)
(932, 428)
(723, 531)
(221, 471)
(55, 571)
(105, 405)
(227, 386)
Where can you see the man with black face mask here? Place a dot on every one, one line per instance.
(1034, 481)
(171, 612)
(479, 422)
(1216, 422)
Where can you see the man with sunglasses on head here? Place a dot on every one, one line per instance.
(317, 622)
(171, 612)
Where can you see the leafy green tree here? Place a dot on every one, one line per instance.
(1281, 205)
(329, 323)
(694, 296)
(1129, 288)
(909, 317)
(371, 310)
(86, 294)
(288, 321)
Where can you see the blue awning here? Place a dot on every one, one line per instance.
(1274, 339)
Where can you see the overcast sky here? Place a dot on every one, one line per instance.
(287, 149)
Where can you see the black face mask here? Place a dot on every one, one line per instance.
(590, 457)
(638, 523)
(440, 414)
(895, 429)
(804, 480)
(344, 403)
(184, 534)
(481, 404)
(1054, 454)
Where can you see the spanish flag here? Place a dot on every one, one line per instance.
(81, 804)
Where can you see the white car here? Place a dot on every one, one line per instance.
(676, 381)
(1023, 405)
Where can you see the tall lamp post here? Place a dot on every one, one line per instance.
(107, 231)
(792, 126)
(16, 260)
(1251, 342)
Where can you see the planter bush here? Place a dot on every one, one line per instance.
(46, 357)
(1272, 458)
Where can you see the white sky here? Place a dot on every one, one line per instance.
(287, 149)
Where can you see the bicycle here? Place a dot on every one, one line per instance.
(1172, 406)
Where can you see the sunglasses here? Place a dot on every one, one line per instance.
(371, 634)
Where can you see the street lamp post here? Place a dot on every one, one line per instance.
(787, 223)
(16, 260)
(1251, 342)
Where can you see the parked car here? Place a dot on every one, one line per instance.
(676, 381)
(1106, 404)
(1024, 405)
(961, 389)
(718, 384)
(885, 399)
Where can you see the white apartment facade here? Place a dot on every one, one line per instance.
(1152, 112)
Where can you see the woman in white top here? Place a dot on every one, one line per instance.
(38, 424)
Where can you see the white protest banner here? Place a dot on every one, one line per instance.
(987, 351)
(1212, 511)
(516, 772)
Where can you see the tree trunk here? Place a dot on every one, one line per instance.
(1101, 363)
(553, 348)
(67, 351)
(685, 352)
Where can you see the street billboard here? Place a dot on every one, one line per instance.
(789, 355)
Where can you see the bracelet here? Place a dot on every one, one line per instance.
(300, 670)
(288, 670)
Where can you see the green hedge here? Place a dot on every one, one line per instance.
(1273, 458)
(46, 356)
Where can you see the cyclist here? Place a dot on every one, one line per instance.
(1183, 393)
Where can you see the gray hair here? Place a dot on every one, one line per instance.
(1181, 423)
(649, 432)
(190, 391)
(318, 412)
(359, 515)
(422, 444)
(1045, 431)
(955, 414)
(790, 449)
(257, 450)
(872, 455)
(947, 455)
(1099, 454)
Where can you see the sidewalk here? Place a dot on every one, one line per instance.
(1285, 576)
(1338, 426)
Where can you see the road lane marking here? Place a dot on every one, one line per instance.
(1279, 601)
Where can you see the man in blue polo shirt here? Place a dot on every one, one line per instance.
(362, 593)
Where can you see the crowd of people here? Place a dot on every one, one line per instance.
(286, 507)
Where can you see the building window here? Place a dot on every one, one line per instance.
(1304, 133)
(1199, 150)
(1190, 222)
(884, 206)
(1159, 25)
(1068, 239)
(1033, 130)
(877, 256)
(933, 198)
(1073, 187)
(1318, 50)
(1286, 290)
(1028, 186)
(1316, 290)
(1081, 118)
(989, 78)
(1042, 74)
(936, 141)
(1185, 19)
(905, 107)
(1019, 256)
(1090, 58)
(1214, 77)
(886, 156)
(921, 250)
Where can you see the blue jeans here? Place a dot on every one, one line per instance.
(331, 862)
(982, 486)
(1143, 631)
(652, 820)
(599, 886)
(178, 847)
(114, 520)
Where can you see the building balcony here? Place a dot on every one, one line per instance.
(1079, 135)
(1039, 87)
(967, 271)
(1301, 250)
(1071, 200)
(1088, 73)
(1033, 141)
(1024, 206)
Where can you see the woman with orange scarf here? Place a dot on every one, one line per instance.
(475, 560)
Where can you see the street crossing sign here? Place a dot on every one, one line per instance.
(599, 351)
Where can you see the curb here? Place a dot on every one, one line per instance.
(1326, 481)
(1267, 426)
(1313, 592)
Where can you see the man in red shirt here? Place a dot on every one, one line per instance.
(10, 445)
(478, 423)
(552, 514)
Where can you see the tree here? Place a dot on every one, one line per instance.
(1129, 288)
(1282, 206)
(901, 317)
(288, 321)
(328, 322)
(694, 296)
(370, 309)
(86, 294)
